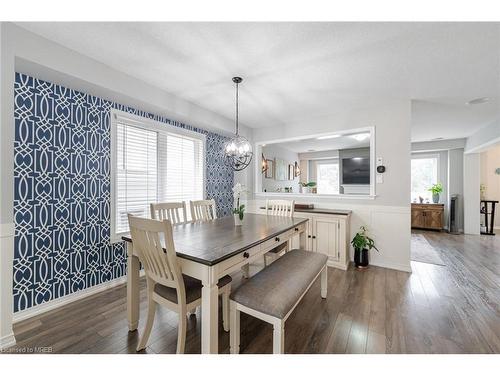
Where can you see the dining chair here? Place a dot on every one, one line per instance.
(278, 207)
(175, 212)
(166, 284)
(203, 210)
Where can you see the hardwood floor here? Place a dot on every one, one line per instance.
(436, 309)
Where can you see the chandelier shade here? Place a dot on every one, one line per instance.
(238, 150)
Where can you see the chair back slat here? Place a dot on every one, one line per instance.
(203, 210)
(154, 245)
(175, 212)
(280, 207)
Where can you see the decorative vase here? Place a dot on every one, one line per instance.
(435, 198)
(305, 189)
(237, 220)
(361, 258)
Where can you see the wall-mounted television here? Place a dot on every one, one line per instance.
(356, 171)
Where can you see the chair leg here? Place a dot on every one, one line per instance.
(324, 282)
(225, 309)
(234, 332)
(279, 338)
(181, 332)
(149, 322)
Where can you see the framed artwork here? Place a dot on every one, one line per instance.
(280, 170)
(291, 171)
(270, 169)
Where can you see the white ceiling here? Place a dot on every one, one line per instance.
(294, 70)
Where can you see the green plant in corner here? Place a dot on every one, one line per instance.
(436, 188)
(361, 241)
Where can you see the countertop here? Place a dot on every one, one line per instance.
(330, 211)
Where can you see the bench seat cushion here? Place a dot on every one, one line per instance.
(278, 287)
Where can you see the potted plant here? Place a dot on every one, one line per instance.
(436, 189)
(239, 209)
(306, 187)
(362, 244)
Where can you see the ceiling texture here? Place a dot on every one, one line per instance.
(293, 72)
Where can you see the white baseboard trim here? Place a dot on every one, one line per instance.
(7, 341)
(391, 265)
(59, 302)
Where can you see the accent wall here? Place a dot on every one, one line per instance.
(62, 190)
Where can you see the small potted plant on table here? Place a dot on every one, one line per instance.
(239, 209)
(436, 189)
(362, 244)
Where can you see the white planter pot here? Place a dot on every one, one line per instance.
(237, 221)
(305, 190)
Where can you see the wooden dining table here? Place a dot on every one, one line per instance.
(210, 250)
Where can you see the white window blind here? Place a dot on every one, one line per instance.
(153, 163)
(136, 173)
(327, 175)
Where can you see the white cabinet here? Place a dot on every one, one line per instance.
(327, 234)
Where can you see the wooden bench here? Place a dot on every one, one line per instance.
(273, 293)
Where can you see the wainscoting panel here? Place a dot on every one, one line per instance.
(62, 190)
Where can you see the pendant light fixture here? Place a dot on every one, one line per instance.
(238, 150)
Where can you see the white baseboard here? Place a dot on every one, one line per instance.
(7, 341)
(59, 302)
(391, 265)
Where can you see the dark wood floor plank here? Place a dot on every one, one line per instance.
(436, 309)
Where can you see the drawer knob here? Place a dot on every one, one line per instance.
(314, 237)
(277, 239)
(296, 229)
(308, 236)
(246, 255)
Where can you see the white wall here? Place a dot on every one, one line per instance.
(272, 152)
(490, 161)
(472, 172)
(483, 138)
(31, 54)
(388, 214)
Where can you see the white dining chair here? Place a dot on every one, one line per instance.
(175, 212)
(166, 285)
(203, 210)
(278, 207)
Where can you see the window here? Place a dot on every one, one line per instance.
(152, 162)
(327, 175)
(424, 174)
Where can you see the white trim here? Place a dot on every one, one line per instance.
(153, 125)
(258, 171)
(59, 302)
(7, 230)
(320, 196)
(392, 265)
(7, 341)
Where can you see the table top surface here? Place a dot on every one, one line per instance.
(211, 242)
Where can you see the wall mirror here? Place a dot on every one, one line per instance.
(327, 164)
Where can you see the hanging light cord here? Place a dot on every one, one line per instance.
(236, 108)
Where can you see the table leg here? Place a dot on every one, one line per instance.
(303, 240)
(132, 288)
(209, 318)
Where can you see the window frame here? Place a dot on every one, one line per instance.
(118, 116)
(426, 155)
(331, 161)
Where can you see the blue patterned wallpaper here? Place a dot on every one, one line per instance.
(62, 190)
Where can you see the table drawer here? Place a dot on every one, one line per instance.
(239, 259)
